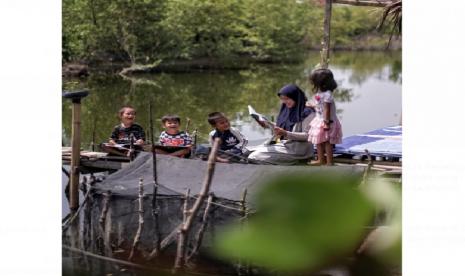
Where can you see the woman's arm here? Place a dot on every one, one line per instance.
(297, 136)
(301, 135)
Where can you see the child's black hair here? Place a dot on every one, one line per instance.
(214, 116)
(121, 111)
(174, 118)
(323, 80)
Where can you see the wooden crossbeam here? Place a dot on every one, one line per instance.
(366, 3)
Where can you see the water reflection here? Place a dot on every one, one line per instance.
(362, 76)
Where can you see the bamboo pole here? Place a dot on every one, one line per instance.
(76, 145)
(326, 35)
(75, 98)
(141, 220)
(182, 233)
(155, 208)
(201, 231)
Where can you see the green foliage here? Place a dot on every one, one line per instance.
(301, 223)
(348, 23)
(117, 29)
(143, 31)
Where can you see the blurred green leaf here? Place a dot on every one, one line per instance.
(302, 222)
(385, 242)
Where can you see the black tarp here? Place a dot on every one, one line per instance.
(175, 175)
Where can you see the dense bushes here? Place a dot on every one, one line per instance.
(144, 31)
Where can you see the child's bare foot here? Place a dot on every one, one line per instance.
(314, 163)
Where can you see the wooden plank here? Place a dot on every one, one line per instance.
(103, 164)
(366, 3)
(353, 161)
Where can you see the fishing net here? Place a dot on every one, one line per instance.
(110, 218)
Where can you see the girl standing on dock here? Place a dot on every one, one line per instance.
(325, 128)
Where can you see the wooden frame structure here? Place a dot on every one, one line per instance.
(327, 22)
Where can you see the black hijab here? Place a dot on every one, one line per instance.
(289, 116)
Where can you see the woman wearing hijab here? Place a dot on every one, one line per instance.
(291, 128)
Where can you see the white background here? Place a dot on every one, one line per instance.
(433, 104)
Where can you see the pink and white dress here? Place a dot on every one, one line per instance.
(317, 134)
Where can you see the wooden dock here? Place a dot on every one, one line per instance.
(91, 161)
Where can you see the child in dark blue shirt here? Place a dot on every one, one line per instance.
(232, 141)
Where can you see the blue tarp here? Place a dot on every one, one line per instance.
(385, 142)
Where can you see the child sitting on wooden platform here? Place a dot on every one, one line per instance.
(232, 140)
(122, 133)
(173, 141)
(125, 133)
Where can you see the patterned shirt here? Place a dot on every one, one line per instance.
(121, 134)
(179, 139)
(324, 97)
(230, 139)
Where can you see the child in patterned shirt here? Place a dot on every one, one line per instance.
(172, 136)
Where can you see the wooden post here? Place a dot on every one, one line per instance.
(75, 97)
(202, 228)
(183, 232)
(141, 220)
(75, 156)
(326, 35)
(182, 236)
(155, 209)
(102, 246)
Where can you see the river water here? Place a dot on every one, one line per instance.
(368, 97)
